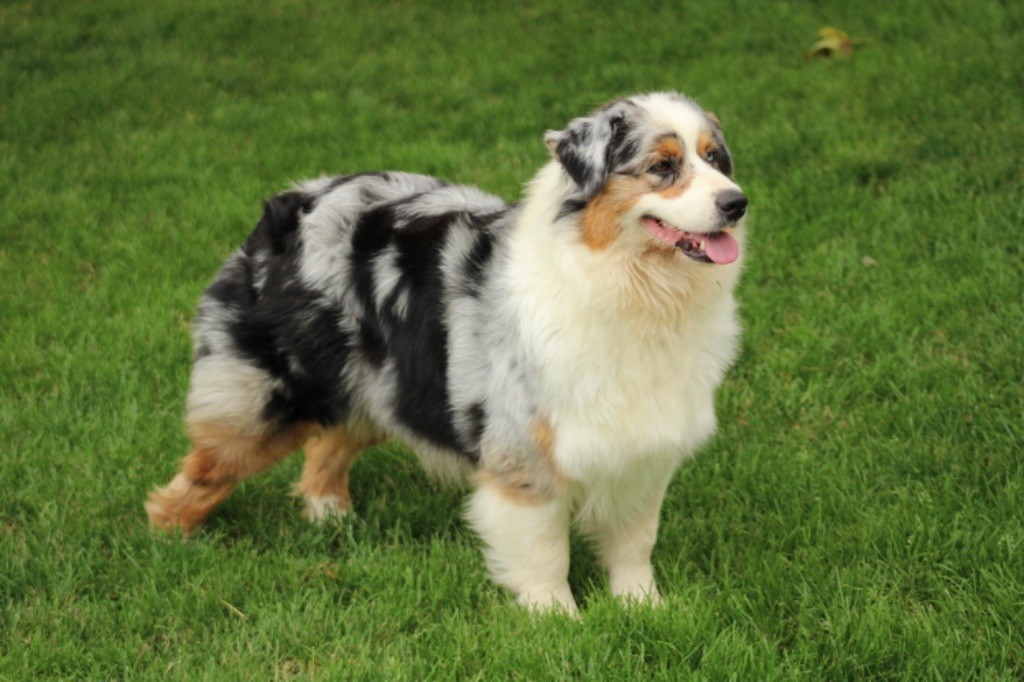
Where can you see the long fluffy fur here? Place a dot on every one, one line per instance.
(563, 352)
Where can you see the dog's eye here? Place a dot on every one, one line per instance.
(711, 156)
(663, 167)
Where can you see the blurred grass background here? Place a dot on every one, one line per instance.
(859, 514)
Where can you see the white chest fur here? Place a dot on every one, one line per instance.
(627, 364)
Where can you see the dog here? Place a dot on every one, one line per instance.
(562, 352)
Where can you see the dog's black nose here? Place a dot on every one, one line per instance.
(732, 203)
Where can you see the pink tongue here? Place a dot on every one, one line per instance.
(662, 231)
(721, 247)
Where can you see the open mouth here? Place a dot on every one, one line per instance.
(707, 247)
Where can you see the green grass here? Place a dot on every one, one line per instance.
(860, 513)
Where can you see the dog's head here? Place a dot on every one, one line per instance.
(652, 172)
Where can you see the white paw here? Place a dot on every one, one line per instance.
(543, 602)
(648, 596)
(636, 586)
(326, 509)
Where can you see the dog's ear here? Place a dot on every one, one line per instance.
(590, 146)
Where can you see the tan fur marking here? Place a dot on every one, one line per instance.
(704, 143)
(220, 459)
(544, 437)
(601, 221)
(329, 455)
(325, 472)
(531, 481)
(668, 148)
(223, 454)
(513, 488)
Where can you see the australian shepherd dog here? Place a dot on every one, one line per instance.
(562, 352)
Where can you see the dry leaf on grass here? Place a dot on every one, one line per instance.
(832, 42)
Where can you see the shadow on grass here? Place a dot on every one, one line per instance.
(392, 497)
(394, 504)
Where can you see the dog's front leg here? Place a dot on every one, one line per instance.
(526, 543)
(623, 521)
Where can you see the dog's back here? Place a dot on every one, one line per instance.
(341, 280)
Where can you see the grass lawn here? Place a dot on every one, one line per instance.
(860, 513)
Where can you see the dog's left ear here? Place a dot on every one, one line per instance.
(589, 146)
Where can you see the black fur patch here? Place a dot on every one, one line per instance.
(373, 233)
(304, 352)
(477, 417)
(618, 149)
(315, 349)
(476, 260)
(622, 151)
(570, 206)
(280, 221)
(418, 343)
(479, 256)
(569, 152)
(341, 180)
(604, 136)
(234, 285)
(724, 162)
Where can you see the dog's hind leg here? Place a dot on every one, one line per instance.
(221, 457)
(324, 482)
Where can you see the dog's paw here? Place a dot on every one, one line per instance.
(329, 509)
(642, 599)
(637, 589)
(557, 602)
